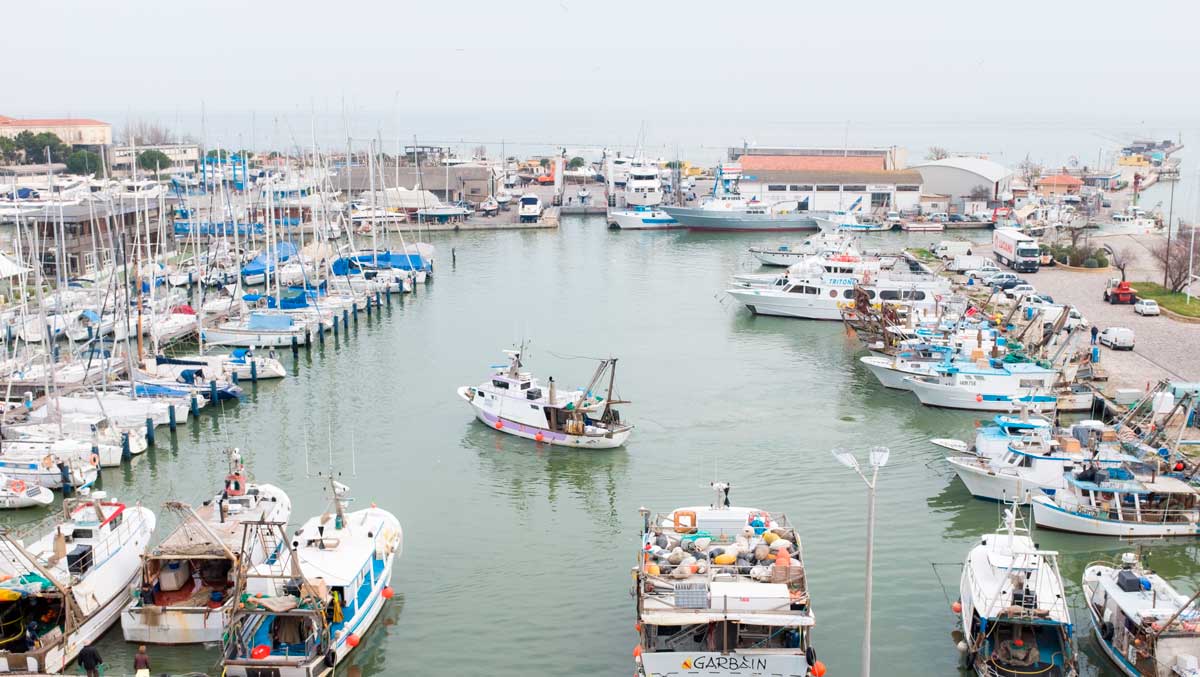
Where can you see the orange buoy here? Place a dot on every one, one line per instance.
(782, 559)
(978, 398)
(388, 592)
(499, 425)
(637, 651)
(818, 669)
(539, 437)
(956, 607)
(352, 640)
(260, 652)
(637, 626)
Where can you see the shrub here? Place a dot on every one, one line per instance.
(1090, 263)
(1101, 260)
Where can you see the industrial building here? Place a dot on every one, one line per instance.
(185, 155)
(861, 180)
(967, 179)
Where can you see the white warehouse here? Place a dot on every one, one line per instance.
(967, 178)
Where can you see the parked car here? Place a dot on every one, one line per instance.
(1018, 290)
(939, 217)
(983, 274)
(893, 217)
(1002, 280)
(1146, 307)
(1117, 338)
(957, 218)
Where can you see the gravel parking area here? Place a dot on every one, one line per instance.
(1163, 347)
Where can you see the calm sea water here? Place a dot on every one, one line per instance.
(517, 557)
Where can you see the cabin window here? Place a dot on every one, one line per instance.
(776, 187)
(525, 385)
(797, 289)
(82, 533)
(533, 407)
(116, 520)
(833, 293)
(1031, 383)
(848, 294)
(871, 294)
(503, 385)
(918, 295)
(907, 189)
(889, 295)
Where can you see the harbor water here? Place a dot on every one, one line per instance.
(517, 556)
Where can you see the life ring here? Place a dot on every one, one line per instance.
(760, 514)
(677, 519)
(95, 458)
(235, 484)
(17, 486)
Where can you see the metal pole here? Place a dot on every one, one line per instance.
(1167, 253)
(866, 647)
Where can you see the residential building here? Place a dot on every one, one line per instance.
(185, 155)
(72, 131)
(1059, 184)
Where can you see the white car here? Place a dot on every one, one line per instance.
(1117, 338)
(983, 274)
(1146, 307)
(1017, 291)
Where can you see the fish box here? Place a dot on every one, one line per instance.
(1127, 395)
(174, 576)
(745, 596)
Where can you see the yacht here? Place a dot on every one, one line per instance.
(529, 208)
(643, 188)
(1143, 624)
(309, 605)
(512, 401)
(722, 590)
(183, 593)
(63, 591)
(1112, 502)
(641, 218)
(1013, 608)
(821, 295)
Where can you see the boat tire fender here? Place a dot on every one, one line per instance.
(810, 655)
(330, 658)
(1107, 631)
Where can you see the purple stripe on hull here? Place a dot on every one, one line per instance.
(521, 427)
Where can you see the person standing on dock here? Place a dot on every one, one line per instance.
(90, 660)
(141, 662)
(1095, 333)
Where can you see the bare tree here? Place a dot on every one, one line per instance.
(146, 133)
(937, 153)
(1029, 171)
(1119, 259)
(1174, 259)
(980, 192)
(480, 151)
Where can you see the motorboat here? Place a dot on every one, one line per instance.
(309, 605)
(183, 596)
(1143, 624)
(643, 185)
(1013, 608)
(986, 385)
(514, 402)
(49, 471)
(16, 493)
(722, 590)
(490, 206)
(847, 221)
(259, 329)
(825, 243)
(1113, 502)
(64, 590)
(820, 295)
(992, 440)
(240, 363)
(529, 208)
(641, 218)
(503, 198)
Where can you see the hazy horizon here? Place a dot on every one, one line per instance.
(1055, 82)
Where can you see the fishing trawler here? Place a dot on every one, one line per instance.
(512, 401)
(726, 209)
(63, 591)
(1013, 608)
(722, 590)
(183, 595)
(303, 610)
(825, 243)
(1145, 627)
(1112, 502)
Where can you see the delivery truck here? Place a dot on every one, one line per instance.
(1016, 250)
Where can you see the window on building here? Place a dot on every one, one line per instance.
(854, 188)
(908, 189)
(776, 187)
(803, 188)
(881, 200)
(828, 188)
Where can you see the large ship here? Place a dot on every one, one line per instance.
(726, 209)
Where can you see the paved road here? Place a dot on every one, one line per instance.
(1164, 348)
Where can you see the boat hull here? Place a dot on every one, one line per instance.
(953, 397)
(802, 306)
(1050, 516)
(192, 625)
(888, 375)
(645, 220)
(741, 663)
(778, 257)
(984, 482)
(1109, 650)
(695, 218)
(501, 424)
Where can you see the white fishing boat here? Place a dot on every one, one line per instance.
(848, 221)
(48, 471)
(184, 593)
(722, 590)
(309, 606)
(641, 218)
(1143, 624)
(893, 371)
(15, 493)
(513, 402)
(825, 243)
(1113, 502)
(64, 590)
(992, 440)
(1013, 608)
(503, 198)
(986, 385)
(529, 208)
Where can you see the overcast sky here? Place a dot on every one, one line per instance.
(690, 75)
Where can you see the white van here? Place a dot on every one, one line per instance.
(948, 249)
(1117, 338)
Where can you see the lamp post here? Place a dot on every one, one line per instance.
(879, 458)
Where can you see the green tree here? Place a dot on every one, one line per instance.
(8, 149)
(35, 145)
(84, 162)
(222, 154)
(151, 160)
(576, 163)
(544, 162)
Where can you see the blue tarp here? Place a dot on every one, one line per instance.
(260, 264)
(383, 259)
(91, 315)
(261, 322)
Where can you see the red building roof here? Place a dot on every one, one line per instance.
(1060, 180)
(808, 163)
(49, 122)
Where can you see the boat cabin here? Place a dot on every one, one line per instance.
(1114, 494)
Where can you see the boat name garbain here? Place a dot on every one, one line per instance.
(728, 663)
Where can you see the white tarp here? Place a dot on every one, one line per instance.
(10, 268)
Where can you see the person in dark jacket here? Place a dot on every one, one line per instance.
(90, 659)
(141, 661)
(1095, 333)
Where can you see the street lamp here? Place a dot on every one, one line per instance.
(879, 458)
